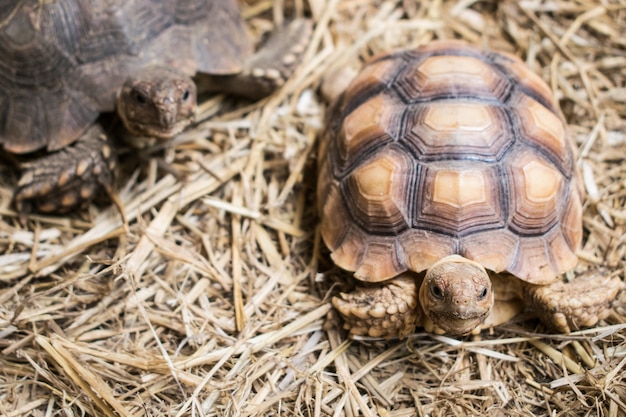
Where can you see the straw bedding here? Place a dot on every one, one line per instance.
(215, 301)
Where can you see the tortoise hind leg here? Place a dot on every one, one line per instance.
(68, 178)
(267, 69)
(569, 306)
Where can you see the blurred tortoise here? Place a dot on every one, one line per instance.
(447, 183)
(66, 62)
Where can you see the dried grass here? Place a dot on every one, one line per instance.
(213, 302)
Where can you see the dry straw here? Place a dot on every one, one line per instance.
(215, 302)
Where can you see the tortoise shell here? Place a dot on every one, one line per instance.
(63, 61)
(448, 149)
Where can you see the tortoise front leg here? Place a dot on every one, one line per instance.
(569, 306)
(267, 69)
(70, 177)
(388, 309)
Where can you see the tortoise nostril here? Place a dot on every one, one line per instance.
(461, 300)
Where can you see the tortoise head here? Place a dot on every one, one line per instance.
(456, 295)
(157, 102)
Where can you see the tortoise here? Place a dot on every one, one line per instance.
(448, 185)
(66, 62)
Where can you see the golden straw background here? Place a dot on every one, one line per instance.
(215, 302)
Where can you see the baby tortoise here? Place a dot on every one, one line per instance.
(448, 185)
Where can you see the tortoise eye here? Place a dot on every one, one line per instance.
(186, 95)
(140, 98)
(483, 293)
(436, 291)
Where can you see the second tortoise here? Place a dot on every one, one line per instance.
(66, 62)
(448, 185)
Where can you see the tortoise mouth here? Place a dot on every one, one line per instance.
(458, 324)
(156, 130)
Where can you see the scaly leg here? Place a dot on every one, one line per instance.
(70, 177)
(268, 68)
(387, 309)
(569, 306)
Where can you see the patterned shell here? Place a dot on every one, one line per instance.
(444, 150)
(62, 61)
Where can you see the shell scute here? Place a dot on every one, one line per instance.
(536, 190)
(493, 249)
(572, 219)
(373, 79)
(458, 198)
(527, 81)
(374, 123)
(382, 259)
(378, 189)
(422, 248)
(543, 129)
(458, 129)
(441, 76)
